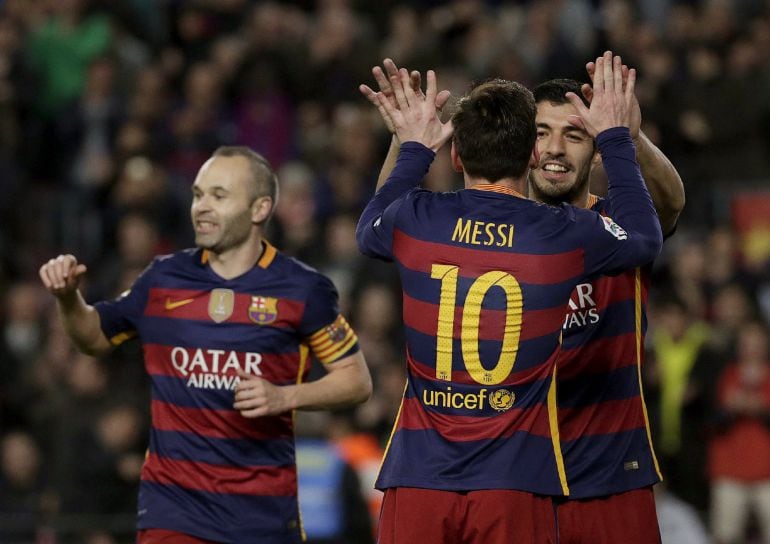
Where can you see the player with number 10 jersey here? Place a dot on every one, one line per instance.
(486, 276)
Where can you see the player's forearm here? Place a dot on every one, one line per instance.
(389, 163)
(348, 384)
(412, 164)
(662, 180)
(628, 198)
(82, 324)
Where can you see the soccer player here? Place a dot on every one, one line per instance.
(608, 455)
(227, 330)
(486, 273)
(609, 460)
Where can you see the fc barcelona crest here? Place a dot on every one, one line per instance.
(263, 310)
(221, 303)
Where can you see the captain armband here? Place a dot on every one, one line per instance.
(333, 341)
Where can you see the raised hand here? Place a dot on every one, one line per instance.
(416, 117)
(636, 116)
(61, 275)
(612, 103)
(383, 82)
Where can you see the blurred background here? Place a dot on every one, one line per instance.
(108, 108)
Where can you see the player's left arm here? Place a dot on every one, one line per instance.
(660, 176)
(333, 342)
(662, 180)
(346, 383)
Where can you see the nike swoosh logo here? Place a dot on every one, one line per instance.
(170, 305)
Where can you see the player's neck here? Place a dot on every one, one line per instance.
(238, 260)
(518, 185)
(582, 200)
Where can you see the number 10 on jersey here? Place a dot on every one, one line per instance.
(471, 321)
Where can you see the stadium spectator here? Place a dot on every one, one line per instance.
(331, 496)
(677, 402)
(24, 501)
(739, 454)
(679, 521)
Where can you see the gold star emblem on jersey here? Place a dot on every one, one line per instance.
(502, 399)
(221, 304)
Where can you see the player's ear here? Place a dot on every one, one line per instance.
(596, 160)
(534, 158)
(261, 209)
(457, 162)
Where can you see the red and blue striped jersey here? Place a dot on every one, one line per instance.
(209, 471)
(603, 422)
(486, 276)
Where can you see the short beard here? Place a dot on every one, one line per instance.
(556, 197)
(236, 234)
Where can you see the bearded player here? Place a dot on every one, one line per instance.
(609, 460)
(606, 443)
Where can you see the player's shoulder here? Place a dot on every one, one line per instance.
(421, 205)
(418, 194)
(293, 268)
(561, 215)
(183, 258)
(597, 203)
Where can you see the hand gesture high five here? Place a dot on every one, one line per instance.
(416, 117)
(636, 114)
(383, 82)
(612, 103)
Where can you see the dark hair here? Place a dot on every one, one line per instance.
(555, 90)
(494, 130)
(265, 180)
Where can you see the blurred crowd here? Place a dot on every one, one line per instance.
(108, 109)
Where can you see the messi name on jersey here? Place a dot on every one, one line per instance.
(480, 233)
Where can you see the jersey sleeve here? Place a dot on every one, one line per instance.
(119, 317)
(323, 327)
(374, 232)
(631, 236)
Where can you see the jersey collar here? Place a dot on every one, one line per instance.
(267, 257)
(494, 188)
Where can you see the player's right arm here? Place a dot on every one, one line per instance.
(660, 175)
(382, 77)
(418, 126)
(61, 276)
(632, 237)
